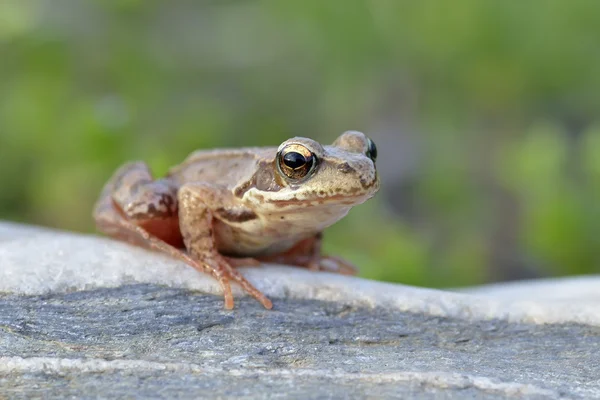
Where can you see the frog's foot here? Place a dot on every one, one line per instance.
(332, 264)
(221, 268)
(317, 263)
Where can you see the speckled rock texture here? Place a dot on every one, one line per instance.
(86, 317)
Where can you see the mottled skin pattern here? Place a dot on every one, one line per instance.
(225, 208)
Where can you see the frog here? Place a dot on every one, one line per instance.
(225, 208)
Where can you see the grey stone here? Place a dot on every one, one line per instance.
(149, 341)
(126, 338)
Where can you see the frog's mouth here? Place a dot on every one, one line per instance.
(348, 197)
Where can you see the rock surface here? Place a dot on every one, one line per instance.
(88, 317)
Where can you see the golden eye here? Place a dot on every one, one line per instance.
(296, 161)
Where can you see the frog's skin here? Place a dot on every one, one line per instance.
(225, 208)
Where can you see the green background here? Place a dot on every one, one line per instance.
(485, 114)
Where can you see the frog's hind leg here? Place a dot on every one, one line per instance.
(137, 209)
(196, 204)
(124, 211)
(150, 204)
(112, 223)
(307, 253)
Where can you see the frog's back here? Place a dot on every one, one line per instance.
(226, 167)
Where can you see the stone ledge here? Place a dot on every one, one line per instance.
(85, 316)
(429, 380)
(44, 261)
(132, 340)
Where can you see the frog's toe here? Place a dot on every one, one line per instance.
(227, 294)
(333, 264)
(229, 271)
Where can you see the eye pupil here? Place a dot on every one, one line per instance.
(372, 150)
(294, 160)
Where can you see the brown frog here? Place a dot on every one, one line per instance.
(225, 208)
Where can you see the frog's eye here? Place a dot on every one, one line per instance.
(296, 161)
(371, 150)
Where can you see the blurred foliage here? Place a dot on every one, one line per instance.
(485, 113)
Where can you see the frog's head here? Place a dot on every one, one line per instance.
(305, 174)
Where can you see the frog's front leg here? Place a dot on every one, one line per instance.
(198, 203)
(307, 253)
(142, 211)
